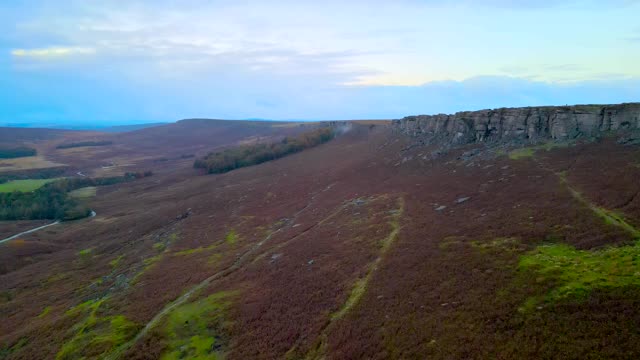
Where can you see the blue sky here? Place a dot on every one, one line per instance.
(108, 61)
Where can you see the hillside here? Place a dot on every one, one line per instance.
(148, 148)
(366, 246)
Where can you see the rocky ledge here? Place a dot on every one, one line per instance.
(522, 125)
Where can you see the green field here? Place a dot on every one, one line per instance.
(85, 192)
(24, 185)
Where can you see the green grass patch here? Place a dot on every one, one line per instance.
(83, 193)
(528, 152)
(231, 237)
(159, 246)
(45, 312)
(115, 262)
(194, 330)
(24, 185)
(96, 333)
(577, 272)
(85, 254)
(195, 250)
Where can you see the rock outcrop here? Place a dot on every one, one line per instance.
(522, 125)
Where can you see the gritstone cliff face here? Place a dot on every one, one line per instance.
(519, 125)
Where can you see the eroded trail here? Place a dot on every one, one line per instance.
(609, 216)
(359, 288)
(245, 258)
(187, 296)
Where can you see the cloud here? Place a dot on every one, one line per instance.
(52, 52)
(160, 60)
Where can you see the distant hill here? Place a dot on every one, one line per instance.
(125, 128)
(84, 127)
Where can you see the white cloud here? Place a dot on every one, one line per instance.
(376, 42)
(52, 52)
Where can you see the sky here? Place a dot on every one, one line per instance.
(134, 61)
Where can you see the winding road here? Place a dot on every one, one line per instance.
(29, 231)
(93, 214)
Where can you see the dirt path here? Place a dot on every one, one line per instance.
(29, 232)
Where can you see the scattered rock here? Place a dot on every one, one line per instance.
(310, 262)
(630, 139)
(184, 215)
(469, 154)
(462, 199)
(440, 208)
(275, 257)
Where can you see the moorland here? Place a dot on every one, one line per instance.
(371, 239)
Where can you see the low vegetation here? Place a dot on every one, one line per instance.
(247, 155)
(83, 193)
(6, 351)
(194, 330)
(96, 332)
(84, 144)
(17, 152)
(231, 237)
(578, 272)
(527, 152)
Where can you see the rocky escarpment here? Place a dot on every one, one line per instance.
(522, 125)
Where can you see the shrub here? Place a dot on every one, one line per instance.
(17, 152)
(84, 143)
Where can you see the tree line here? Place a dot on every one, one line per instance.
(247, 155)
(12, 153)
(52, 200)
(46, 173)
(84, 143)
